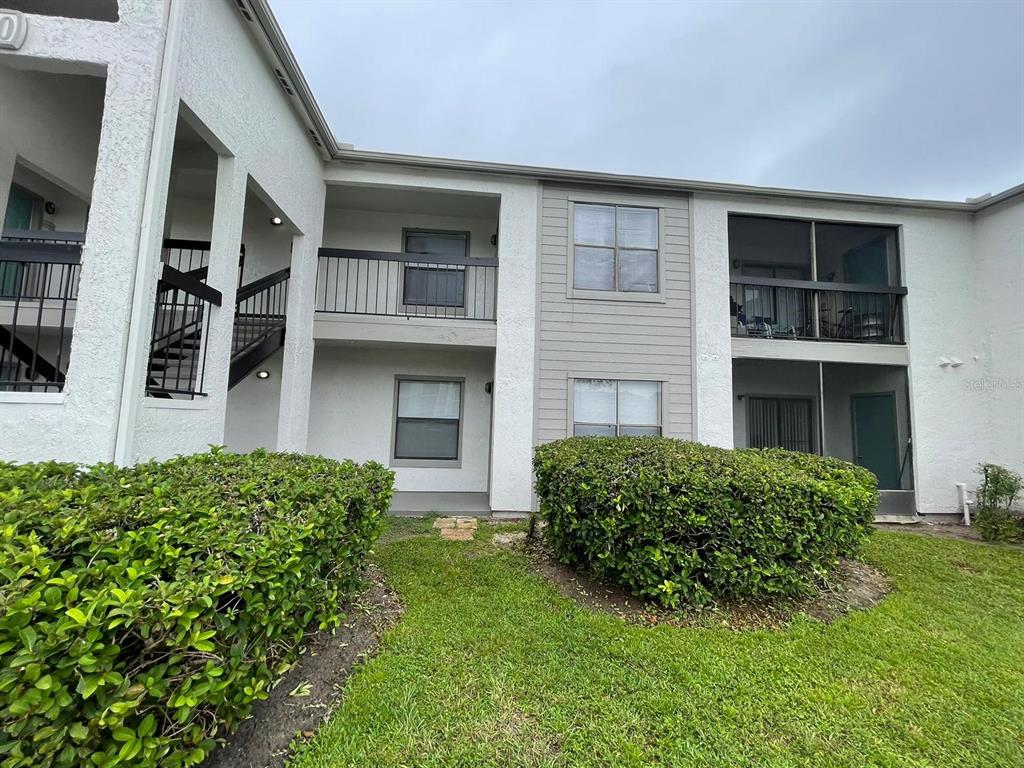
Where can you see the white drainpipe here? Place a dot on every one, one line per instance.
(965, 503)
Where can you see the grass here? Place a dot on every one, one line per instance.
(490, 666)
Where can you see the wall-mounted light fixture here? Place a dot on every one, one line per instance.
(262, 374)
(277, 221)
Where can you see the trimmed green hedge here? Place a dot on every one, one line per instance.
(680, 522)
(143, 610)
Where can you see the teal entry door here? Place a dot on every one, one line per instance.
(17, 216)
(874, 437)
(20, 207)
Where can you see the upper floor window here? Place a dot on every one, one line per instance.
(615, 248)
(608, 408)
(436, 285)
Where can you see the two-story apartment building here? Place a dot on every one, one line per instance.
(190, 258)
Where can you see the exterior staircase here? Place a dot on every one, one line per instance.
(38, 298)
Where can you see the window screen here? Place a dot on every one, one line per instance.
(608, 408)
(615, 248)
(427, 419)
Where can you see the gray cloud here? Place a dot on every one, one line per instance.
(913, 98)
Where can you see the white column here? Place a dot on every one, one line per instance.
(709, 239)
(109, 258)
(297, 363)
(225, 243)
(7, 161)
(515, 353)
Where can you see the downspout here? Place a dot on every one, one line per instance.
(965, 503)
(135, 352)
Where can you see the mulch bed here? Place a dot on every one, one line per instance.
(855, 586)
(311, 689)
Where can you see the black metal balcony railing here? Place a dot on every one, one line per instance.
(406, 285)
(805, 309)
(39, 273)
(177, 357)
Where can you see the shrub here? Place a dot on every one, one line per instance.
(999, 489)
(143, 609)
(680, 522)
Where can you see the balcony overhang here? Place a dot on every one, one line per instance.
(820, 351)
(374, 329)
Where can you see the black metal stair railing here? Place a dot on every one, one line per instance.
(177, 358)
(261, 309)
(39, 272)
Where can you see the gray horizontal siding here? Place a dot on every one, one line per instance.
(587, 338)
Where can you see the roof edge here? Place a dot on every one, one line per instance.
(999, 197)
(656, 182)
(307, 104)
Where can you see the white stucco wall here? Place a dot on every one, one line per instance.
(81, 423)
(946, 290)
(712, 343)
(254, 408)
(998, 287)
(352, 409)
(511, 480)
(234, 100)
(54, 129)
(267, 247)
(382, 230)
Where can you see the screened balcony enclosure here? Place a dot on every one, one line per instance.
(858, 413)
(814, 280)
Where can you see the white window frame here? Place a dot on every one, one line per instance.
(617, 378)
(572, 292)
(455, 463)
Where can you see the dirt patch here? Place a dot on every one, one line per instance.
(941, 530)
(854, 586)
(310, 690)
(955, 531)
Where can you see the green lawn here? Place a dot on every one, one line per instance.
(491, 667)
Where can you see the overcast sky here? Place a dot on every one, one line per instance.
(912, 98)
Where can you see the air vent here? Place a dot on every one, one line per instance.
(316, 139)
(244, 10)
(283, 81)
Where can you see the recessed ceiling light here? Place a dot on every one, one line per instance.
(262, 374)
(277, 221)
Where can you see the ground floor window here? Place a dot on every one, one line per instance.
(608, 407)
(780, 422)
(428, 417)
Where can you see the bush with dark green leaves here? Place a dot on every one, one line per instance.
(143, 610)
(995, 519)
(683, 523)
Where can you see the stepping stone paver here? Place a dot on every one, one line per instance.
(456, 528)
